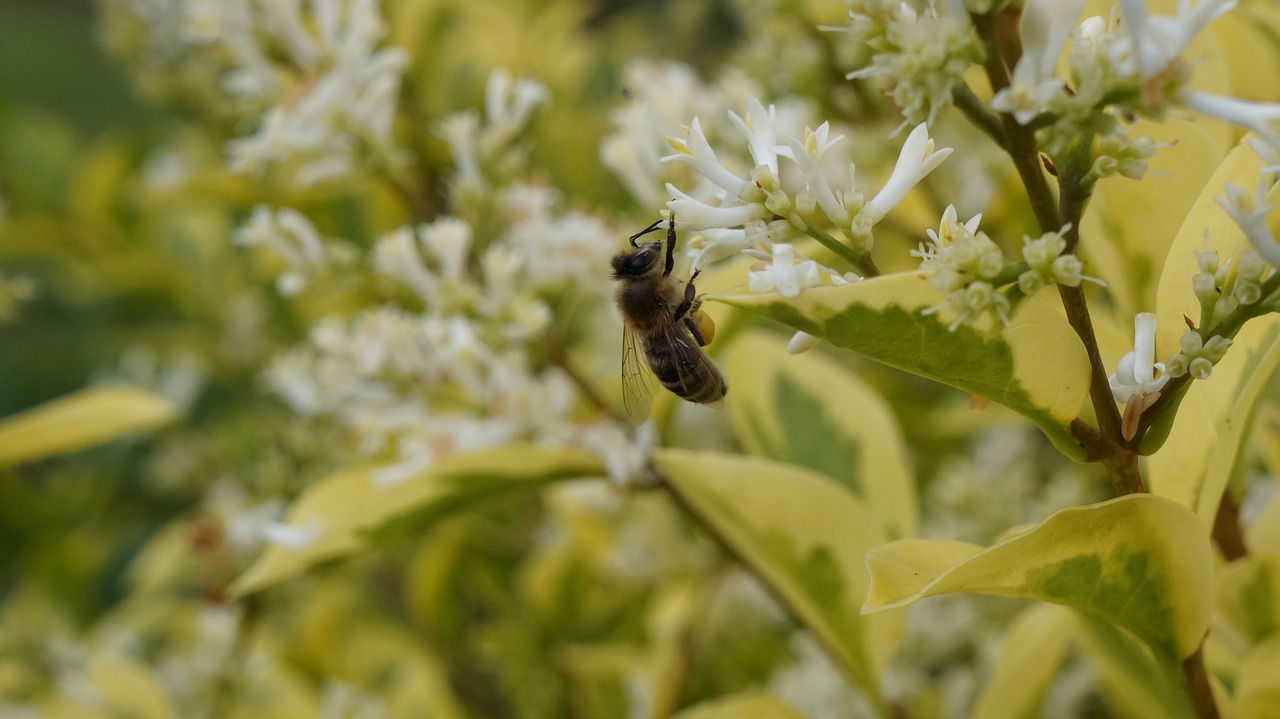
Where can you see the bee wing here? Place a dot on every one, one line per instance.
(691, 362)
(637, 379)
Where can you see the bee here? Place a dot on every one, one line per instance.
(663, 326)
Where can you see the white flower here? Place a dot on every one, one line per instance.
(759, 129)
(289, 234)
(1256, 116)
(783, 274)
(509, 103)
(292, 536)
(917, 159)
(807, 156)
(696, 152)
(1137, 373)
(1046, 25)
(625, 456)
(1138, 379)
(802, 342)
(1249, 212)
(396, 255)
(1155, 42)
(694, 214)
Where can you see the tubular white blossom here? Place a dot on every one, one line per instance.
(759, 129)
(1136, 374)
(917, 159)
(1046, 25)
(1256, 116)
(697, 215)
(783, 274)
(696, 152)
(807, 155)
(510, 102)
(1250, 213)
(1155, 42)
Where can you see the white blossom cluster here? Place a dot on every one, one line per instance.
(922, 55)
(309, 86)
(970, 268)
(462, 373)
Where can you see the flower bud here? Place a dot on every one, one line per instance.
(1203, 284)
(1190, 343)
(1176, 366)
(1200, 368)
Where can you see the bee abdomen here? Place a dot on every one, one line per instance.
(696, 382)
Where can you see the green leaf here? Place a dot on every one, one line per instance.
(1140, 561)
(740, 706)
(80, 420)
(808, 410)
(1137, 683)
(1207, 436)
(345, 507)
(1033, 651)
(1036, 366)
(804, 535)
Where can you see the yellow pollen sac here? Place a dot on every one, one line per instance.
(679, 146)
(810, 142)
(706, 326)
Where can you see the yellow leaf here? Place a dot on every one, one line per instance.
(808, 410)
(1034, 648)
(803, 535)
(129, 688)
(341, 508)
(1257, 692)
(80, 420)
(1130, 224)
(1205, 221)
(1036, 366)
(1207, 435)
(1140, 561)
(1247, 596)
(740, 706)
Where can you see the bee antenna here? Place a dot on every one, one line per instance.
(657, 223)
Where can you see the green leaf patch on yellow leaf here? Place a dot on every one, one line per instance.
(1035, 366)
(1140, 561)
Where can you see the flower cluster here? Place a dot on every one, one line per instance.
(309, 88)
(294, 241)
(924, 54)
(481, 147)
(752, 208)
(966, 263)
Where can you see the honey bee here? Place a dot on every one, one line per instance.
(663, 327)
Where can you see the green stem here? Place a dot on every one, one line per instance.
(1051, 214)
(860, 262)
(972, 107)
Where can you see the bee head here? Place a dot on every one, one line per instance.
(638, 262)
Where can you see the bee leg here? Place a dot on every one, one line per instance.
(656, 223)
(690, 291)
(694, 330)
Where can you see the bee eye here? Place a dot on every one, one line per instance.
(642, 260)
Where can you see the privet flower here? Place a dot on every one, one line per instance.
(923, 55)
(1138, 378)
(1045, 26)
(742, 209)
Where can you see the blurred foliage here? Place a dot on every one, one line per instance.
(215, 546)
